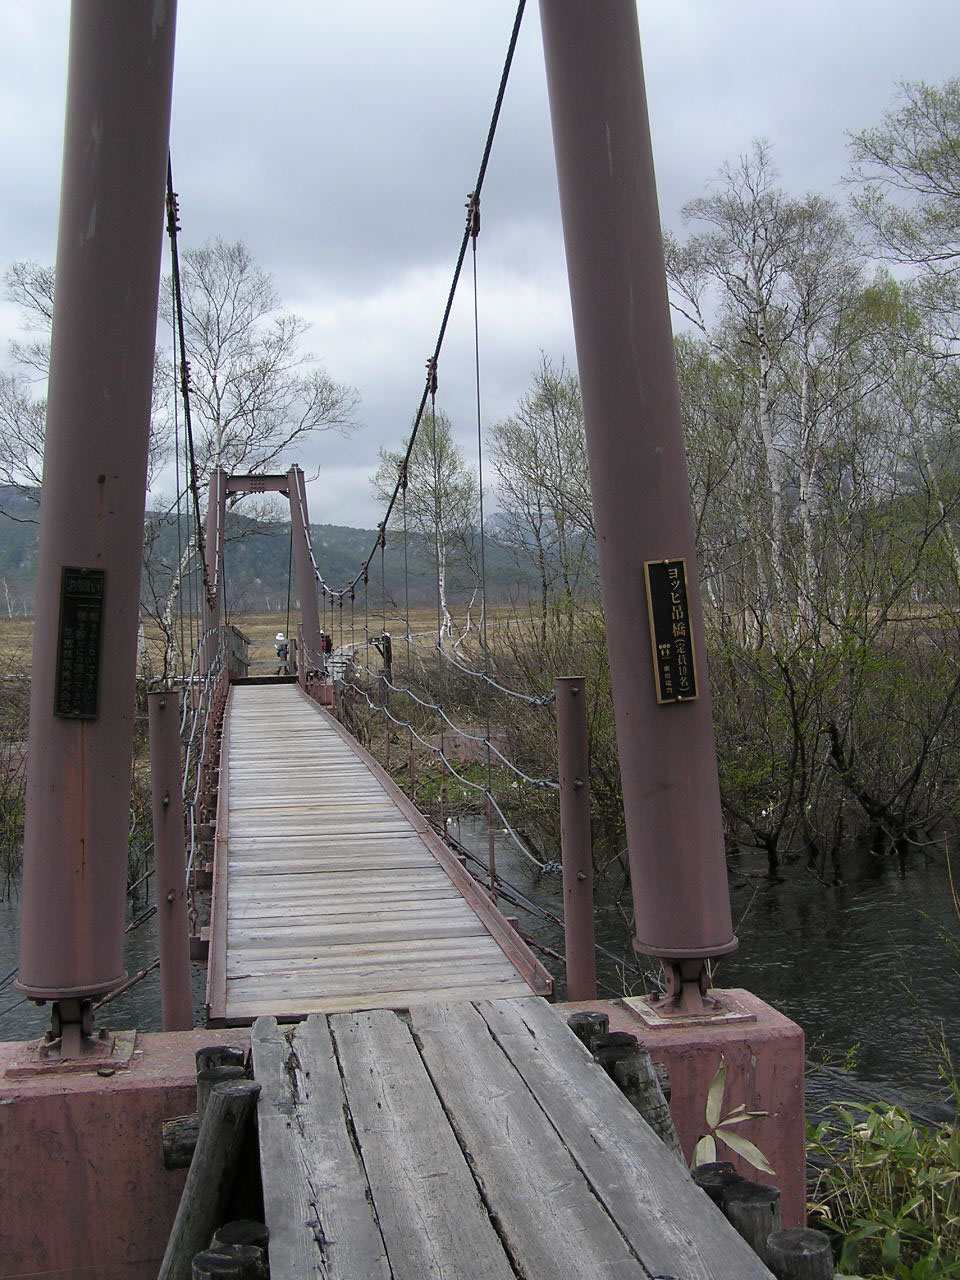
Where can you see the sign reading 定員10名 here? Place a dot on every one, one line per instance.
(671, 635)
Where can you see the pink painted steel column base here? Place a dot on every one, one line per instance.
(764, 1057)
(82, 1183)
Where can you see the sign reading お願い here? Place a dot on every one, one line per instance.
(79, 644)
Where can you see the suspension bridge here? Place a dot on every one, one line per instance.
(422, 1109)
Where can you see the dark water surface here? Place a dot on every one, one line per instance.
(865, 967)
(139, 1007)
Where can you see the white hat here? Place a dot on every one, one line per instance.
(279, 635)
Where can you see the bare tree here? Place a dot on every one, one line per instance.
(442, 501)
(539, 455)
(255, 392)
(22, 401)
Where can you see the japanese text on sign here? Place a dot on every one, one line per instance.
(77, 695)
(671, 636)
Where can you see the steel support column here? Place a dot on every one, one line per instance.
(576, 849)
(213, 561)
(638, 471)
(306, 578)
(170, 880)
(94, 480)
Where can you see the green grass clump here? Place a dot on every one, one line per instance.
(888, 1192)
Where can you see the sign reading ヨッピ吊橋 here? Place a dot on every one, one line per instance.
(671, 635)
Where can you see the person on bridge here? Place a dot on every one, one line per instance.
(281, 654)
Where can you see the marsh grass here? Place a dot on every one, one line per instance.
(888, 1192)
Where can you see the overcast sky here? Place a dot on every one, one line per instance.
(339, 141)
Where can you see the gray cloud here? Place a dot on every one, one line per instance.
(339, 142)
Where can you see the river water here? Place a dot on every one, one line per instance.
(866, 967)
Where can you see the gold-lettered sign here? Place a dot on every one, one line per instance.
(79, 643)
(671, 635)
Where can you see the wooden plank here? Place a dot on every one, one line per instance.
(243, 1011)
(385, 931)
(549, 1219)
(351, 953)
(291, 983)
(315, 1192)
(430, 1212)
(655, 1203)
(374, 891)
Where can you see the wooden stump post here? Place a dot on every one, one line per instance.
(638, 1080)
(714, 1177)
(754, 1210)
(210, 1179)
(588, 1024)
(209, 1078)
(242, 1231)
(800, 1254)
(209, 1265)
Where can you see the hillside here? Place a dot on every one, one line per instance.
(257, 558)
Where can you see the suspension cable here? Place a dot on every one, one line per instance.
(173, 226)
(465, 240)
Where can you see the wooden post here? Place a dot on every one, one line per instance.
(800, 1253)
(638, 1080)
(587, 1024)
(209, 1078)
(210, 1265)
(714, 1177)
(754, 1210)
(220, 1055)
(246, 1261)
(211, 1175)
(242, 1231)
(179, 1139)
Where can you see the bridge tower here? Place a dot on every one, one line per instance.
(91, 530)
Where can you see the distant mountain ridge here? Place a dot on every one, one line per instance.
(257, 559)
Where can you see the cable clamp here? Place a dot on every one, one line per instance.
(473, 214)
(173, 213)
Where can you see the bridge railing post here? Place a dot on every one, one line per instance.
(575, 842)
(163, 713)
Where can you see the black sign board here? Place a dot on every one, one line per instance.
(670, 633)
(79, 644)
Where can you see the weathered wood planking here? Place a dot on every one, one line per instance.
(433, 1220)
(657, 1207)
(549, 1218)
(315, 1194)
(335, 899)
(469, 1141)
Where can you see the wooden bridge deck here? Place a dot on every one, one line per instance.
(474, 1142)
(330, 891)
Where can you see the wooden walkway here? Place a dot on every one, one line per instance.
(331, 892)
(473, 1142)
